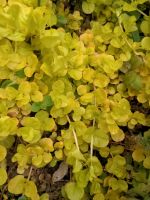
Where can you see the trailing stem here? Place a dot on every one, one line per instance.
(74, 134)
(29, 175)
(91, 145)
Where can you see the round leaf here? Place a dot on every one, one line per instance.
(73, 191)
(31, 190)
(16, 185)
(145, 28)
(3, 152)
(138, 155)
(146, 43)
(100, 137)
(146, 162)
(87, 7)
(3, 176)
(99, 196)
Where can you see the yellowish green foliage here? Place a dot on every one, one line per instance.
(3, 176)
(75, 87)
(20, 185)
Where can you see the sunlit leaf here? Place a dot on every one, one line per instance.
(30, 190)
(16, 185)
(29, 134)
(98, 196)
(145, 26)
(3, 152)
(62, 20)
(146, 162)
(3, 176)
(138, 155)
(73, 191)
(100, 137)
(146, 43)
(87, 7)
(47, 144)
(44, 196)
(82, 178)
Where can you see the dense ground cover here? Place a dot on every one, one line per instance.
(75, 99)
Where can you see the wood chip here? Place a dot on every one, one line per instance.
(59, 174)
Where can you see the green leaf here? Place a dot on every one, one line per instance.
(73, 191)
(133, 80)
(88, 7)
(135, 13)
(77, 154)
(116, 166)
(95, 166)
(22, 198)
(123, 186)
(20, 73)
(136, 62)
(129, 22)
(47, 102)
(7, 142)
(6, 83)
(100, 137)
(36, 106)
(62, 20)
(129, 7)
(79, 127)
(113, 183)
(9, 83)
(136, 36)
(49, 39)
(75, 158)
(95, 188)
(82, 178)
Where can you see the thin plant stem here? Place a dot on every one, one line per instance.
(91, 146)
(29, 175)
(140, 11)
(74, 134)
(125, 38)
(93, 122)
(75, 138)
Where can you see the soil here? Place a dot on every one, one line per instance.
(41, 177)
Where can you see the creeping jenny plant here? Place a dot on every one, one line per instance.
(74, 88)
